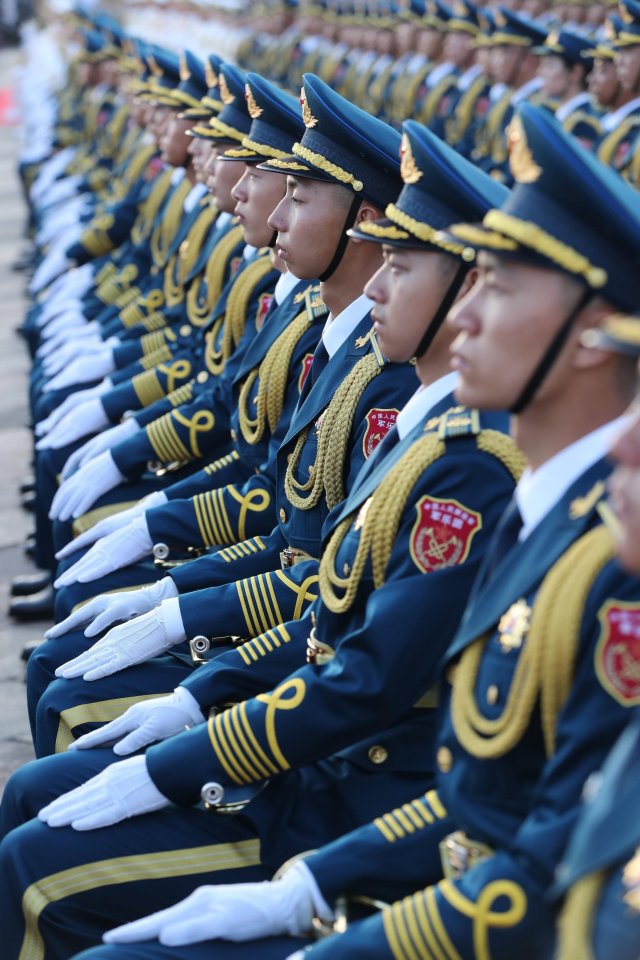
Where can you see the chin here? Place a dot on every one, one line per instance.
(628, 554)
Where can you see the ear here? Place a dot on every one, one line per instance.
(467, 283)
(368, 211)
(594, 314)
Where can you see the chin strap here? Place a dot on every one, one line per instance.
(344, 240)
(445, 305)
(550, 355)
(272, 242)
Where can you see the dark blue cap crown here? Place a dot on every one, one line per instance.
(344, 145)
(233, 122)
(570, 46)
(567, 211)
(276, 122)
(515, 28)
(629, 32)
(440, 188)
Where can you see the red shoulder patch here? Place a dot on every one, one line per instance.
(306, 367)
(617, 658)
(442, 533)
(379, 422)
(264, 302)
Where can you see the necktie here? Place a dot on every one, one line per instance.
(506, 535)
(318, 363)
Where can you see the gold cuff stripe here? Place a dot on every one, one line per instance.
(165, 440)
(102, 711)
(147, 387)
(221, 462)
(161, 354)
(533, 236)
(127, 869)
(338, 173)
(181, 395)
(272, 639)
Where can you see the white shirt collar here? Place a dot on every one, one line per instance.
(611, 120)
(468, 77)
(423, 400)
(223, 219)
(540, 490)
(436, 75)
(284, 286)
(580, 100)
(248, 251)
(531, 86)
(197, 192)
(336, 330)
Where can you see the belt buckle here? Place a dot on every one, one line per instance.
(286, 558)
(458, 854)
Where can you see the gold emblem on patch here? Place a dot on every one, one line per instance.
(409, 170)
(523, 166)
(185, 73)
(514, 625)
(307, 117)
(210, 75)
(225, 94)
(254, 110)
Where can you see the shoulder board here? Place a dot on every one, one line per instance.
(594, 499)
(458, 422)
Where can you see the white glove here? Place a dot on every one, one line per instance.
(66, 351)
(122, 790)
(146, 722)
(62, 189)
(65, 344)
(54, 306)
(72, 402)
(235, 911)
(118, 549)
(87, 418)
(79, 492)
(65, 324)
(103, 441)
(93, 366)
(55, 263)
(115, 522)
(108, 608)
(129, 643)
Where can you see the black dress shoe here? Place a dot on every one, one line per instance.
(28, 649)
(27, 485)
(30, 546)
(28, 502)
(39, 606)
(24, 586)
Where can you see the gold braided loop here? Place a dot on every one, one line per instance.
(164, 232)
(502, 447)
(205, 289)
(379, 528)
(545, 665)
(235, 314)
(273, 373)
(146, 218)
(135, 167)
(183, 261)
(575, 925)
(325, 476)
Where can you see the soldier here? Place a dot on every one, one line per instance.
(516, 741)
(620, 128)
(566, 60)
(450, 475)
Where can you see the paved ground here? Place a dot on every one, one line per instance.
(15, 449)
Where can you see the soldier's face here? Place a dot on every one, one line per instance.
(309, 220)
(257, 193)
(222, 176)
(555, 76)
(174, 141)
(624, 490)
(603, 82)
(407, 291)
(504, 326)
(628, 67)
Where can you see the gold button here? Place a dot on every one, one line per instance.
(346, 569)
(282, 515)
(234, 435)
(185, 330)
(202, 377)
(444, 759)
(492, 695)
(378, 754)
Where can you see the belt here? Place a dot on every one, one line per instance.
(458, 854)
(290, 556)
(317, 651)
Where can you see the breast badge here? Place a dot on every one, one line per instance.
(617, 658)
(379, 422)
(442, 533)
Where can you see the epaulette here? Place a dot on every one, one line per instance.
(456, 422)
